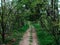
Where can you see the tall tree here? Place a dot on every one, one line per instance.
(2, 19)
(55, 21)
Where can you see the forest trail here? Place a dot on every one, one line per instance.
(30, 33)
(34, 36)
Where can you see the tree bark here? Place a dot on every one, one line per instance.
(2, 20)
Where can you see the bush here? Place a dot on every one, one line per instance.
(44, 37)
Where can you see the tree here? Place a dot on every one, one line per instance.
(2, 20)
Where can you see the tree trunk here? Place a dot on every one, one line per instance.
(2, 20)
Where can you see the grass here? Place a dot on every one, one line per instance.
(44, 37)
(16, 36)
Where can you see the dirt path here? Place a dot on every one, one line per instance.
(34, 36)
(25, 40)
(26, 37)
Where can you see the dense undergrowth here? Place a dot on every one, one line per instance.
(15, 36)
(44, 37)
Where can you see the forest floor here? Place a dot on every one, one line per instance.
(30, 37)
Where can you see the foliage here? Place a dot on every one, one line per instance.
(15, 36)
(44, 37)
